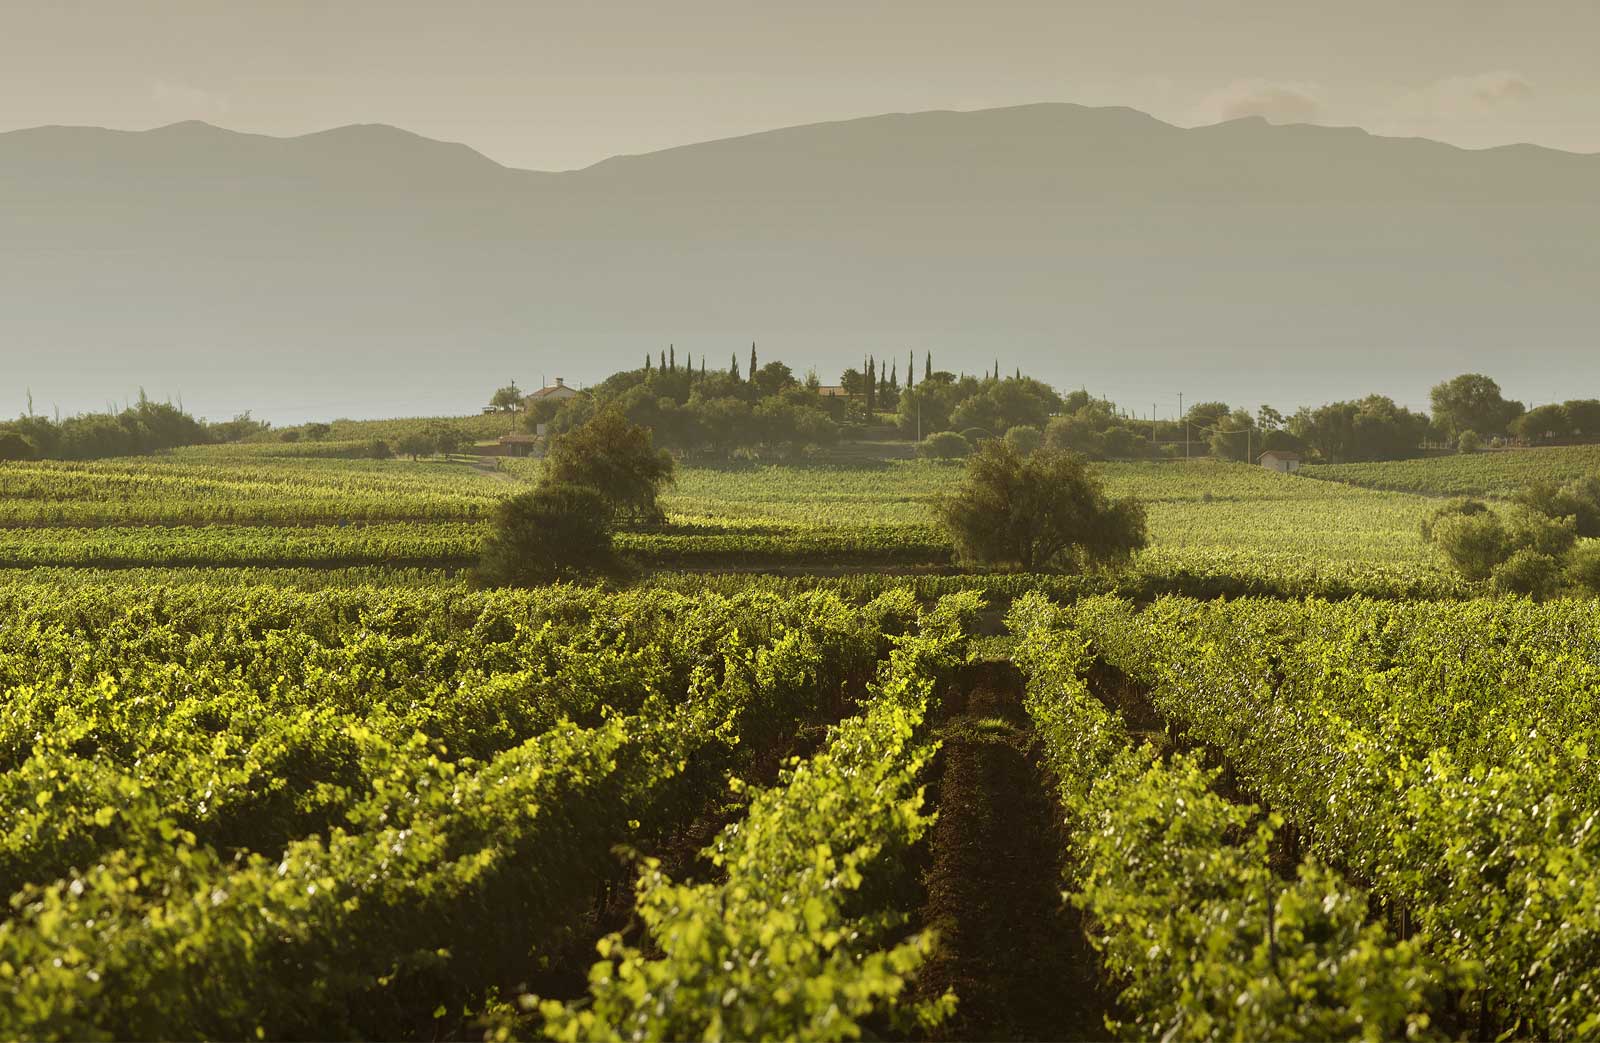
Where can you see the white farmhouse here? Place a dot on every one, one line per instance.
(1281, 460)
(556, 392)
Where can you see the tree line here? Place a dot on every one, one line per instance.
(766, 410)
(146, 427)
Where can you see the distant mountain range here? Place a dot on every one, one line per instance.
(369, 271)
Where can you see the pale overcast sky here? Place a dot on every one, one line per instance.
(554, 86)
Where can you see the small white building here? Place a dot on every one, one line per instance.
(1281, 460)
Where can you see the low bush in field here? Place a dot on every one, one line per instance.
(946, 445)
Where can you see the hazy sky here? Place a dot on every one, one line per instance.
(553, 86)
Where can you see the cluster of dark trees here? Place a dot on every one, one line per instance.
(146, 427)
(430, 439)
(1467, 411)
(703, 412)
(766, 410)
(1371, 428)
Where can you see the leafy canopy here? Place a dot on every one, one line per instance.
(617, 459)
(1472, 402)
(556, 532)
(1039, 511)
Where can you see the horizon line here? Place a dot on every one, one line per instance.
(910, 114)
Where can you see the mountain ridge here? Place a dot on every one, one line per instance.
(330, 272)
(1251, 121)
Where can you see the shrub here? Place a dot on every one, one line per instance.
(974, 435)
(1042, 511)
(1459, 506)
(1473, 542)
(1578, 500)
(556, 532)
(946, 445)
(377, 449)
(1552, 536)
(1469, 442)
(15, 447)
(1528, 572)
(1583, 566)
(1025, 438)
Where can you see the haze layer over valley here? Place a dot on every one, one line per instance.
(366, 271)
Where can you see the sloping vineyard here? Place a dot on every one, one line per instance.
(1501, 473)
(1208, 938)
(240, 811)
(326, 815)
(1439, 754)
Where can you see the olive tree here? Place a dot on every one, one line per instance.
(1038, 511)
(617, 459)
(414, 444)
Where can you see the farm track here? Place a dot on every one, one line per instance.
(1011, 949)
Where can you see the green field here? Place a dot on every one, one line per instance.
(273, 771)
(291, 511)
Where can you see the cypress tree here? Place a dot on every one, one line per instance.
(927, 366)
(734, 370)
(911, 370)
(663, 362)
(894, 375)
(752, 360)
(647, 362)
(702, 365)
(872, 385)
(672, 357)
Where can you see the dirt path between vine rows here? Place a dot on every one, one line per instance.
(1014, 953)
